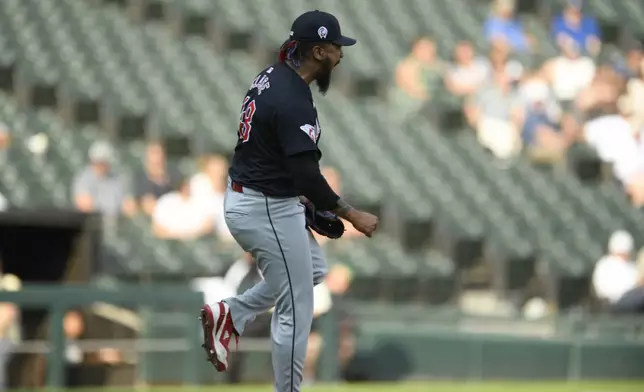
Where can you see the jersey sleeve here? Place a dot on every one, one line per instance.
(297, 128)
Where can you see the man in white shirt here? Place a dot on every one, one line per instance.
(632, 301)
(467, 73)
(615, 273)
(569, 73)
(177, 215)
(208, 187)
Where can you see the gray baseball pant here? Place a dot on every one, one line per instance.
(291, 261)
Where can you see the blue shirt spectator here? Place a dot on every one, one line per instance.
(502, 25)
(536, 121)
(572, 24)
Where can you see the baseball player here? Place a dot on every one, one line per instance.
(276, 195)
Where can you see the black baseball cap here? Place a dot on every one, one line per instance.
(319, 26)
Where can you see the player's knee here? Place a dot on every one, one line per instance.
(300, 293)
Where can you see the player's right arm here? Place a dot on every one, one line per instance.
(299, 142)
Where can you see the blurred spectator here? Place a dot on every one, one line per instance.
(612, 136)
(633, 300)
(321, 305)
(5, 142)
(541, 133)
(467, 73)
(499, 59)
(242, 274)
(208, 188)
(9, 325)
(76, 358)
(99, 188)
(534, 89)
(615, 273)
(628, 66)
(177, 215)
(497, 114)
(156, 180)
(502, 25)
(339, 281)
(573, 25)
(536, 308)
(605, 129)
(634, 58)
(569, 73)
(610, 130)
(335, 182)
(600, 97)
(329, 296)
(628, 165)
(418, 75)
(640, 264)
(630, 103)
(73, 327)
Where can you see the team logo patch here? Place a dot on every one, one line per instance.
(322, 32)
(313, 131)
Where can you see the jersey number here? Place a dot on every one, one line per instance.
(246, 119)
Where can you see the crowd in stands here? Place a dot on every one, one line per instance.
(518, 102)
(178, 208)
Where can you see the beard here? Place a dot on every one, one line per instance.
(323, 78)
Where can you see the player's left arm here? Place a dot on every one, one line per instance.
(298, 132)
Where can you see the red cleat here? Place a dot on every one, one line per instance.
(217, 330)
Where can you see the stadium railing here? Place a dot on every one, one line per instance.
(142, 309)
(59, 299)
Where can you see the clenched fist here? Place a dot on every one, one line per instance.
(364, 222)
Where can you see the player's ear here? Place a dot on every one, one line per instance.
(319, 53)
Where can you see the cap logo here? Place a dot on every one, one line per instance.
(322, 32)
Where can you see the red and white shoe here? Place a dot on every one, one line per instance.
(218, 329)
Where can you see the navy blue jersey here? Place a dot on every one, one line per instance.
(278, 119)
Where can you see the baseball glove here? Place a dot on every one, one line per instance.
(324, 223)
